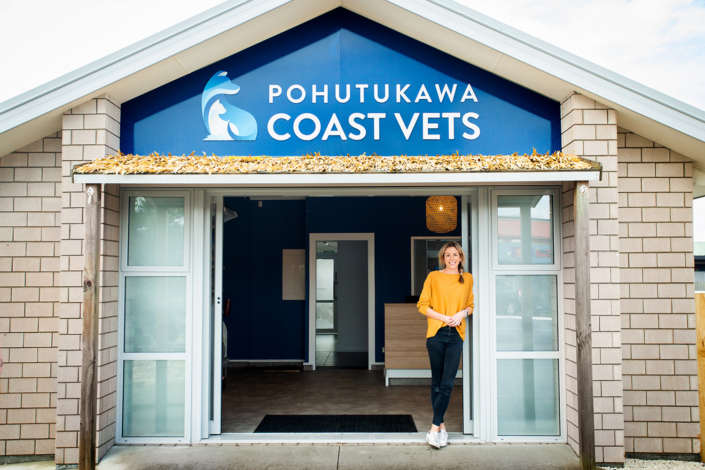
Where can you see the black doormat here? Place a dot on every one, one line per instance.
(336, 424)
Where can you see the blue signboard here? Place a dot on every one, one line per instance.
(340, 84)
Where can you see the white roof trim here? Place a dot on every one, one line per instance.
(609, 88)
(342, 179)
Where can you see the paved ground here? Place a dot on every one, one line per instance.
(411, 457)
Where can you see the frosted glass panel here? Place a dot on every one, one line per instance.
(154, 399)
(527, 313)
(527, 397)
(525, 229)
(325, 319)
(155, 314)
(325, 279)
(156, 231)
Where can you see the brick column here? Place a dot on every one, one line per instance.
(90, 131)
(30, 183)
(589, 130)
(658, 307)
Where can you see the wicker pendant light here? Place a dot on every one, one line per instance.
(441, 214)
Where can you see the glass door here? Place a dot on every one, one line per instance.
(153, 345)
(216, 315)
(526, 304)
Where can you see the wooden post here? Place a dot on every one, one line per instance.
(700, 332)
(586, 414)
(89, 339)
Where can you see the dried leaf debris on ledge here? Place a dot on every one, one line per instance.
(167, 164)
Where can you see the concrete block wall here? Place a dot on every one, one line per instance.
(589, 130)
(30, 218)
(90, 131)
(657, 298)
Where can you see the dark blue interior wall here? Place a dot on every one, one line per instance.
(237, 235)
(393, 220)
(261, 325)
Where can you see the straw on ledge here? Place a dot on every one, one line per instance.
(161, 164)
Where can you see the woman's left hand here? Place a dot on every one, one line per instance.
(456, 319)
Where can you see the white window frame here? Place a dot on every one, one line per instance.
(154, 271)
(556, 211)
(554, 269)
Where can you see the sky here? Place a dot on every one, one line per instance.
(659, 43)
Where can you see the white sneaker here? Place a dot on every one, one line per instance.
(443, 438)
(432, 439)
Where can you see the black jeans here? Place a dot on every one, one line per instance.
(444, 351)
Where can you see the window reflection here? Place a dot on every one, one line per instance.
(154, 399)
(527, 313)
(156, 231)
(527, 397)
(155, 314)
(525, 229)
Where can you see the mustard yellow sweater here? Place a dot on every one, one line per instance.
(444, 294)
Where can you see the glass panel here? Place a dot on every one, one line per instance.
(527, 397)
(325, 319)
(325, 279)
(699, 281)
(154, 399)
(156, 231)
(155, 314)
(525, 229)
(527, 313)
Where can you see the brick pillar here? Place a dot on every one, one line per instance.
(30, 186)
(90, 131)
(658, 307)
(589, 130)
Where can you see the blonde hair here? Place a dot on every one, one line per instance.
(442, 254)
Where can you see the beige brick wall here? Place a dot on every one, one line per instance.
(30, 218)
(589, 129)
(90, 131)
(657, 292)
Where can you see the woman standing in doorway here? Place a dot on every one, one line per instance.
(447, 301)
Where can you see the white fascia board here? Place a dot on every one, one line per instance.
(351, 179)
(130, 60)
(603, 84)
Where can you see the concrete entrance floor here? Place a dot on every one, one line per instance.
(334, 457)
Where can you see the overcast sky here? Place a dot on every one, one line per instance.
(660, 43)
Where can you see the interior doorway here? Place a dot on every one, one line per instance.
(341, 300)
(341, 304)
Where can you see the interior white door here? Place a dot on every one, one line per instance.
(217, 320)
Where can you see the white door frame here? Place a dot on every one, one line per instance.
(316, 237)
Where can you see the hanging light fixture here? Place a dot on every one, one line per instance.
(441, 214)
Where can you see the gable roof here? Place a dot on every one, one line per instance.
(464, 33)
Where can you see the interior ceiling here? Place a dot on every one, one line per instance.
(384, 12)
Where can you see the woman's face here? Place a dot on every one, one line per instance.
(451, 258)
